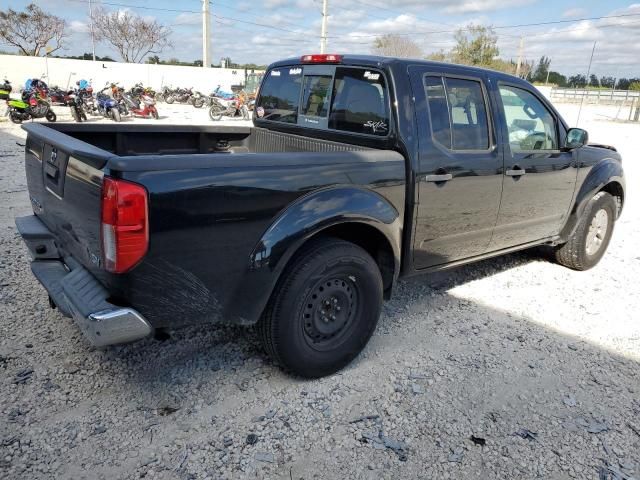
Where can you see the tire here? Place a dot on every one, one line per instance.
(215, 112)
(154, 114)
(50, 116)
(159, 97)
(245, 112)
(170, 99)
(115, 114)
(588, 243)
(198, 102)
(83, 115)
(15, 117)
(75, 115)
(324, 309)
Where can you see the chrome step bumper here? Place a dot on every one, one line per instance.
(77, 293)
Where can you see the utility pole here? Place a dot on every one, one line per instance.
(588, 73)
(93, 40)
(546, 82)
(323, 34)
(206, 35)
(520, 49)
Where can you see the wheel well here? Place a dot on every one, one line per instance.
(372, 241)
(615, 189)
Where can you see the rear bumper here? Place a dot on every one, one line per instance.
(77, 293)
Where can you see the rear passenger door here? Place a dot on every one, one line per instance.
(459, 172)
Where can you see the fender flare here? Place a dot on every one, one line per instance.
(602, 174)
(305, 218)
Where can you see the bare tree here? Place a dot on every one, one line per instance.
(396, 46)
(131, 35)
(32, 30)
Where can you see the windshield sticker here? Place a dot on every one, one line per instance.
(260, 112)
(376, 126)
(371, 76)
(295, 71)
(275, 73)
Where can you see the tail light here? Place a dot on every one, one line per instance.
(125, 224)
(33, 102)
(321, 58)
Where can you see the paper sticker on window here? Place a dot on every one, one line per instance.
(295, 71)
(275, 73)
(371, 76)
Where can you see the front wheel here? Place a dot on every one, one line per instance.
(15, 117)
(170, 99)
(245, 112)
(324, 309)
(75, 114)
(115, 114)
(215, 112)
(588, 243)
(154, 113)
(50, 116)
(198, 102)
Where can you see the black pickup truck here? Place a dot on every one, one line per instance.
(357, 170)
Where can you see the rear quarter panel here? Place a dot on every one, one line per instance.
(207, 222)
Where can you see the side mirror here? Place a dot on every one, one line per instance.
(576, 138)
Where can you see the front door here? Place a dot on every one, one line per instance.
(459, 172)
(539, 178)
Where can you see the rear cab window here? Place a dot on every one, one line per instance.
(331, 97)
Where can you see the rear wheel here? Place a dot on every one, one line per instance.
(587, 245)
(75, 114)
(154, 113)
(170, 99)
(83, 115)
(198, 102)
(115, 114)
(245, 112)
(215, 112)
(324, 309)
(50, 116)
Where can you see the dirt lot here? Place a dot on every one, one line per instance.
(509, 368)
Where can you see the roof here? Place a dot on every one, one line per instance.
(381, 62)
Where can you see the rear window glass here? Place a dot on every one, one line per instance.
(351, 100)
(315, 100)
(280, 95)
(359, 102)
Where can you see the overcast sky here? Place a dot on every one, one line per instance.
(264, 31)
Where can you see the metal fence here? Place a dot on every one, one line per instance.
(593, 96)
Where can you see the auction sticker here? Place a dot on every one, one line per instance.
(260, 112)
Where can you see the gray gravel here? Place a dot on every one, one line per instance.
(509, 368)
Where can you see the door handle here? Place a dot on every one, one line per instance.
(445, 177)
(515, 172)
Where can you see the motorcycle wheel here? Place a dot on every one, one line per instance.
(15, 117)
(154, 114)
(198, 102)
(75, 115)
(215, 112)
(50, 116)
(245, 112)
(159, 97)
(83, 116)
(115, 114)
(170, 99)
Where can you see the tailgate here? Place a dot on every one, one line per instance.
(64, 177)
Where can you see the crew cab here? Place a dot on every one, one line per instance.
(357, 170)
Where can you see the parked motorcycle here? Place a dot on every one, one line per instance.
(107, 106)
(30, 106)
(163, 94)
(180, 95)
(57, 96)
(143, 105)
(198, 100)
(76, 105)
(5, 89)
(117, 93)
(231, 108)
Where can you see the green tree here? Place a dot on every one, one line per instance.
(635, 86)
(577, 81)
(558, 79)
(475, 45)
(607, 82)
(593, 80)
(541, 70)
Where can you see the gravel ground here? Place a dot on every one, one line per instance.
(509, 368)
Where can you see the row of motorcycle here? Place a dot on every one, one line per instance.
(111, 102)
(219, 102)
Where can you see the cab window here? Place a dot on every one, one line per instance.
(530, 125)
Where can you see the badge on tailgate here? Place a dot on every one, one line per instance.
(54, 168)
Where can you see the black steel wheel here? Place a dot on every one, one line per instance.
(324, 309)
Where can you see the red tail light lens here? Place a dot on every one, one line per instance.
(125, 224)
(33, 102)
(321, 58)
